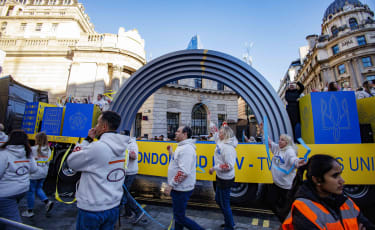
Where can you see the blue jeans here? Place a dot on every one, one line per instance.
(103, 220)
(127, 199)
(222, 198)
(9, 209)
(179, 202)
(36, 186)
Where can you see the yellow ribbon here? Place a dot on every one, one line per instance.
(57, 197)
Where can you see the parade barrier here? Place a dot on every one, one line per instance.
(17, 225)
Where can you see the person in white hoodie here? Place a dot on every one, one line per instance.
(284, 163)
(16, 164)
(41, 153)
(131, 172)
(225, 159)
(181, 177)
(102, 165)
(3, 136)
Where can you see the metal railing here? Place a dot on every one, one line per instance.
(16, 224)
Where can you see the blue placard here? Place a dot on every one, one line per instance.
(77, 119)
(51, 123)
(335, 117)
(29, 117)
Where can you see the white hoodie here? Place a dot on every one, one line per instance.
(103, 174)
(284, 158)
(132, 164)
(43, 167)
(183, 160)
(3, 137)
(225, 157)
(14, 170)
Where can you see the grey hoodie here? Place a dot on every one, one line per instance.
(103, 172)
(14, 170)
(3, 137)
(225, 157)
(184, 159)
(41, 162)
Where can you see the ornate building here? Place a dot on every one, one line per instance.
(343, 52)
(51, 45)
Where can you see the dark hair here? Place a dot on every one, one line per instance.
(188, 131)
(332, 87)
(18, 137)
(126, 132)
(113, 119)
(317, 166)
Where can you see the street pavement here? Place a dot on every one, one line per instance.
(63, 216)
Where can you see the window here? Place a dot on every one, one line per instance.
(23, 26)
(174, 82)
(366, 61)
(199, 120)
(54, 26)
(38, 27)
(198, 83)
(334, 31)
(52, 2)
(67, 2)
(4, 25)
(38, 2)
(220, 119)
(23, 2)
(353, 24)
(138, 125)
(370, 78)
(361, 40)
(335, 49)
(341, 69)
(172, 124)
(220, 86)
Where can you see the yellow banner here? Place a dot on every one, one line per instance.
(251, 164)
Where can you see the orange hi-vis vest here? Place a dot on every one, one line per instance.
(322, 218)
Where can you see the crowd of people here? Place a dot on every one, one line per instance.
(101, 100)
(109, 166)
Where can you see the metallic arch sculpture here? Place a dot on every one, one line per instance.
(240, 77)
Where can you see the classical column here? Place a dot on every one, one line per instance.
(71, 84)
(101, 79)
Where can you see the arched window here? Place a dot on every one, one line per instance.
(353, 24)
(334, 31)
(199, 120)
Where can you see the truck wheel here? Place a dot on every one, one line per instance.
(66, 174)
(363, 195)
(241, 192)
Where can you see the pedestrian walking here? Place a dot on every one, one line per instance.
(15, 165)
(132, 211)
(182, 177)
(41, 153)
(284, 162)
(319, 202)
(100, 189)
(225, 159)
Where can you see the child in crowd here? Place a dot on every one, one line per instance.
(41, 153)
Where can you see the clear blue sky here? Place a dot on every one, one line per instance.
(277, 28)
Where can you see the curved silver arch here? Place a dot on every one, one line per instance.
(240, 77)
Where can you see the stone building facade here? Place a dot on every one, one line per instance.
(52, 45)
(343, 52)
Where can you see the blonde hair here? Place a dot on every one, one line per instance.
(228, 132)
(41, 140)
(290, 141)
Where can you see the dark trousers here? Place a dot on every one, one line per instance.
(277, 200)
(127, 199)
(179, 202)
(222, 198)
(102, 220)
(9, 209)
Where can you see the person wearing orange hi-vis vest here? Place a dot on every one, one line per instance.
(319, 201)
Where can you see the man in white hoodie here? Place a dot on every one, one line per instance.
(102, 165)
(181, 177)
